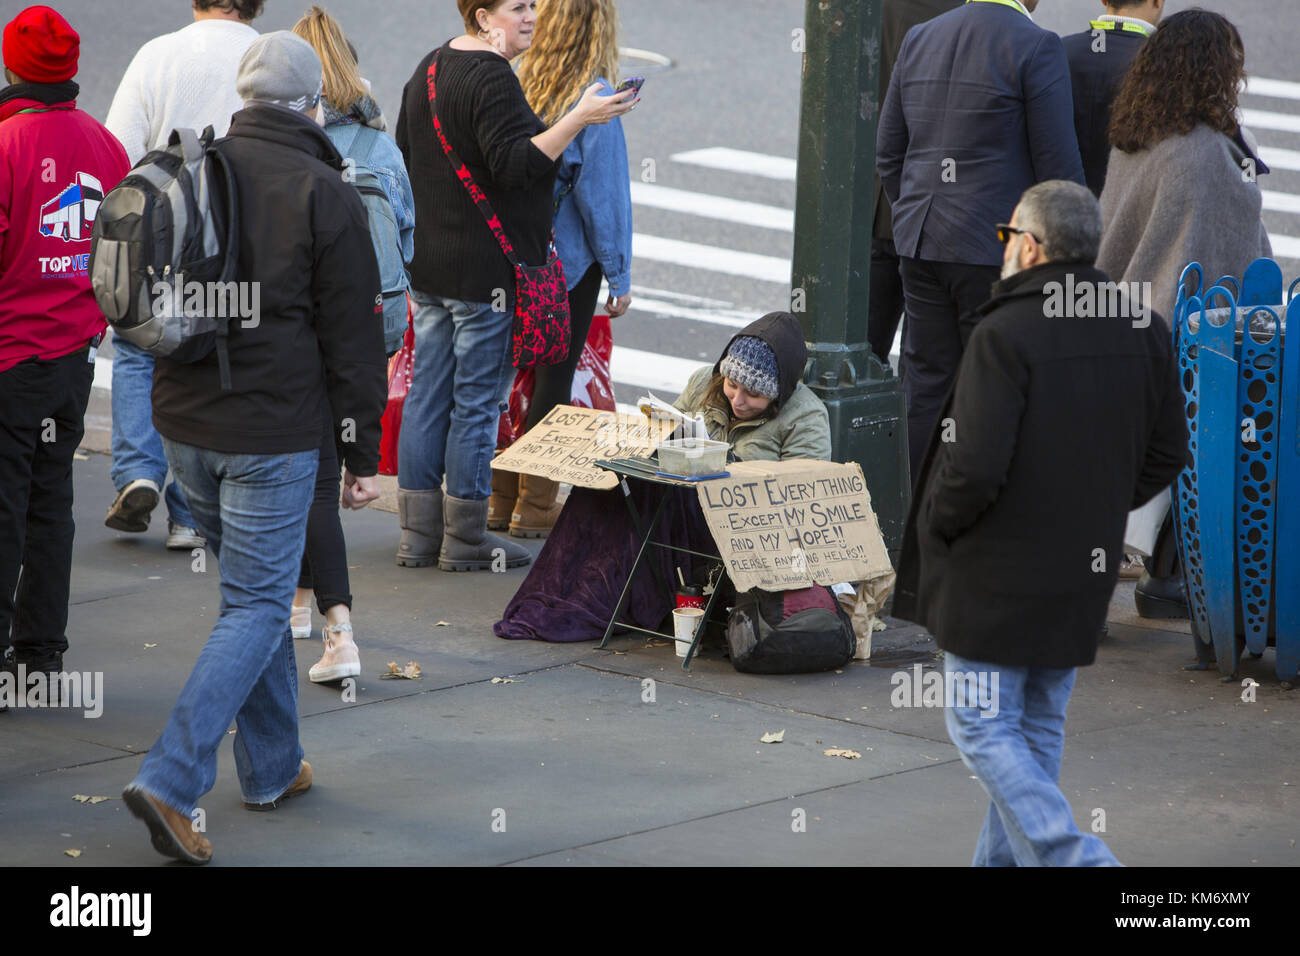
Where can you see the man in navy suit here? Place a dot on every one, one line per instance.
(1099, 58)
(978, 110)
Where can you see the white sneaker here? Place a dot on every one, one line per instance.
(340, 659)
(300, 621)
(184, 538)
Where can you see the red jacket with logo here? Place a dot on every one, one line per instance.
(56, 164)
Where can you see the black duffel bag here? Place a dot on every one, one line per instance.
(789, 632)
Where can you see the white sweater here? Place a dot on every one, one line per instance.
(181, 79)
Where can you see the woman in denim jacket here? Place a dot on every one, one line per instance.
(348, 104)
(593, 219)
(324, 562)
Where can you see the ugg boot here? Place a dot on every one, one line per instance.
(466, 545)
(505, 488)
(536, 510)
(420, 515)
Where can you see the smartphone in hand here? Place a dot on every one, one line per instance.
(631, 83)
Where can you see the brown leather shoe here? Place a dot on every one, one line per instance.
(505, 489)
(301, 784)
(536, 510)
(171, 832)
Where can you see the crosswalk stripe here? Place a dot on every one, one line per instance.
(1285, 247)
(1279, 201)
(1270, 119)
(1277, 158)
(713, 207)
(1284, 89)
(642, 369)
(739, 161)
(694, 255)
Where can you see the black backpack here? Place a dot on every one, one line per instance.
(789, 632)
(166, 230)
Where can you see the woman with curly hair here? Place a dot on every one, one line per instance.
(574, 44)
(1181, 185)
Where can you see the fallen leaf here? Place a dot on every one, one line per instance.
(78, 456)
(83, 798)
(504, 680)
(72, 853)
(147, 646)
(775, 738)
(443, 624)
(837, 752)
(410, 672)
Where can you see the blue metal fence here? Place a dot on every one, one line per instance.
(1237, 506)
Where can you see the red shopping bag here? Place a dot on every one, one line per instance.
(399, 383)
(592, 387)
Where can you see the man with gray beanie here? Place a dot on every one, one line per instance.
(246, 457)
(1065, 415)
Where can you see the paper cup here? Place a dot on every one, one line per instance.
(685, 622)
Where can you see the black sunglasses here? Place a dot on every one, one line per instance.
(1006, 231)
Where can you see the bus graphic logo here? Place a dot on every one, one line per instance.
(71, 214)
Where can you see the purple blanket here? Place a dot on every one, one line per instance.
(572, 588)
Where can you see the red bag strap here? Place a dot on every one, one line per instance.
(463, 173)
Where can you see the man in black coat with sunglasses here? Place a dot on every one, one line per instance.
(1066, 413)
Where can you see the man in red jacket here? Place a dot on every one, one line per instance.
(56, 164)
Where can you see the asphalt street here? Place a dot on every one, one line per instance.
(716, 132)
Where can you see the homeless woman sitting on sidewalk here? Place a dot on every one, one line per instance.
(752, 398)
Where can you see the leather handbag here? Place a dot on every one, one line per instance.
(541, 301)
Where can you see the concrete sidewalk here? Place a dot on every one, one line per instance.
(568, 764)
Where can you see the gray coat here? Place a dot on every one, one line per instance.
(1183, 200)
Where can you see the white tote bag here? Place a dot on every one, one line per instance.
(1144, 525)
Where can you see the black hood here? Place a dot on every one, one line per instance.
(279, 124)
(781, 332)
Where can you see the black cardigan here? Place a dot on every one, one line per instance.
(489, 124)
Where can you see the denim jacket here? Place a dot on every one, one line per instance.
(593, 223)
(386, 160)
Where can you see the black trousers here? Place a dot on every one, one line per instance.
(42, 407)
(554, 383)
(942, 299)
(886, 308)
(325, 555)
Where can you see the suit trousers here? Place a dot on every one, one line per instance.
(942, 299)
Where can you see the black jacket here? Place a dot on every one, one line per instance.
(1054, 430)
(317, 347)
(1095, 78)
(489, 124)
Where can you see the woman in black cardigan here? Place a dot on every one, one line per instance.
(462, 283)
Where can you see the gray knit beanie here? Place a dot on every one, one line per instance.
(281, 68)
(751, 364)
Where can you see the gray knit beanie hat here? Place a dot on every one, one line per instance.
(751, 363)
(281, 68)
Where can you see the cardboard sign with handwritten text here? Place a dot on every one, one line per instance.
(565, 445)
(783, 525)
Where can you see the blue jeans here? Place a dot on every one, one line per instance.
(137, 446)
(460, 385)
(253, 511)
(1016, 753)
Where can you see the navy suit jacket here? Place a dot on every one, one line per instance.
(1095, 77)
(978, 110)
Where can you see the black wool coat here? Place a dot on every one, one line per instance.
(1054, 429)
